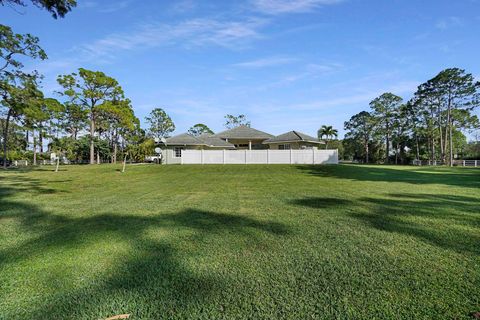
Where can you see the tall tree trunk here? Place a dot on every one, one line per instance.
(396, 153)
(442, 149)
(34, 148)
(115, 150)
(92, 138)
(366, 151)
(451, 144)
(27, 136)
(5, 138)
(115, 145)
(40, 140)
(434, 153)
(447, 129)
(387, 160)
(98, 156)
(418, 147)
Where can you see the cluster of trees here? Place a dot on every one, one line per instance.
(91, 119)
(430, 126)
(89, 99)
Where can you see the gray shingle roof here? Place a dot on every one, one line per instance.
(186, 139)
(243, 132)
(212, 141)
(293, 136)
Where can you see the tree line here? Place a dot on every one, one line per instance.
(429, 126)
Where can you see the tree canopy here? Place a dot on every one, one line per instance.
(232, 121)
(58, 8)
(199, 129)
(160, 123)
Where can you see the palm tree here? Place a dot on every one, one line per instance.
(328, 132)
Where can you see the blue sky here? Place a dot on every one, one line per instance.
(287, 65)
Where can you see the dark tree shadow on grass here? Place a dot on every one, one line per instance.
(446, 221)
(151, 281)
(461, 177)
(320, 203)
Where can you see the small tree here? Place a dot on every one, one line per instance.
(160, 124)
(328, 132)
(232, 121)
(199, 129)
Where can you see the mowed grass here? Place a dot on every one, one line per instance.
(237, 242)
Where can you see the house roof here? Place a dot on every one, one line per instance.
(293, 136)
(213, 141)
(186, 139)
(243, 132)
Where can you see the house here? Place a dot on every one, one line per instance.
(292, 140)
(174, 145)
(238, 138)
(244, 137)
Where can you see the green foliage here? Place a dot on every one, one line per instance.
(98, 96)
(360, 136)
(199, 129)
(13, 46)
(138, 152)
(430, 126)
(232, 121)
(328, 133)
(18, 90)
(58, 8)
(160, 123)
(385, 109)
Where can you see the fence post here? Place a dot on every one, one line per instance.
(464, 163)
(245, 156)
(223, 156)
(268, 156)
(475, 163)
(290, 156)
(181, 156)
(313, 156)
(201, 155)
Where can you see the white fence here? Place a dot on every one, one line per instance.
(307, 156)
(459, 163)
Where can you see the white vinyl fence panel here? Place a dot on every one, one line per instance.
(307, 156)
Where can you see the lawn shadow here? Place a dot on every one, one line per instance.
(446, 221)
(152, 279)
(320, 202)
(460, 177)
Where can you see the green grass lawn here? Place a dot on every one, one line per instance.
(232, 242)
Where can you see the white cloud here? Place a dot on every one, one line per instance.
(265, 62)
(449, 22)
(183, 6)
(290, 6)
(194, 32)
